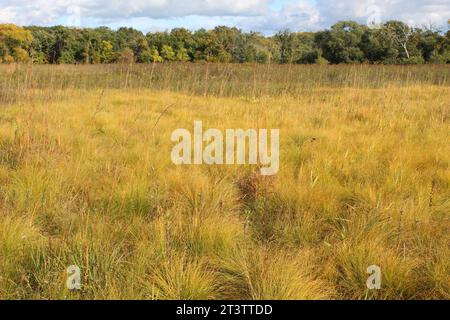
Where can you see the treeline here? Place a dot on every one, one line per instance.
(394, 42)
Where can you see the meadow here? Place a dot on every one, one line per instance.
(86, 179)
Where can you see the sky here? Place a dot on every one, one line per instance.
(266, 16)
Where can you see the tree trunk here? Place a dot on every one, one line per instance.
(406, 50)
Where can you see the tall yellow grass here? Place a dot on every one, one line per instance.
(86, 179)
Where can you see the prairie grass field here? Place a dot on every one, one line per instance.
(86, 179)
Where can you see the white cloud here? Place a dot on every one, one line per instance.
(258, 15)
(415, 12)
(43, 11)
(8, 14)
(298, 15)
(171, 8)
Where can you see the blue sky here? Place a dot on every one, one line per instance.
(267, 16)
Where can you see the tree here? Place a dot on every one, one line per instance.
(155, 57)
(258, 49)
(13, 43)
(305, 50)
(167, 53)
(65, 45)
(228, 44)
(106, 52)
(182, 54)
(20, 55)
(341, 44)
(14, 36)
(401, 33)
(345, 42)
(134, 40)
(432, 45)
(182, 38)
(158, 40)
(126, 56)
(41, 45)
(285, 40)
(377, 46)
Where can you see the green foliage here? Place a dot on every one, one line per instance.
(13, 35)
(167, 53)
(345, 42)
(341, 44)
(182, 54)
(13, 42)
(155, 57)
(126, 56)
(21, 55)
(106, 53)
